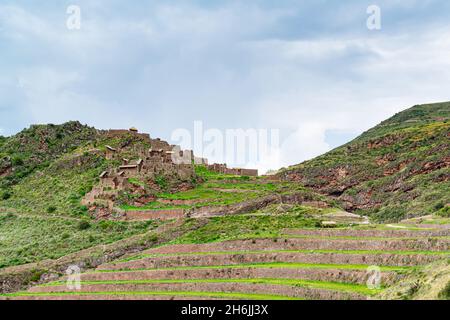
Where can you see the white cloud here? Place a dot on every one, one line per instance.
(396, 73)
(229, 65)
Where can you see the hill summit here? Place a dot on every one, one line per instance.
(140, 224)
(395, 170)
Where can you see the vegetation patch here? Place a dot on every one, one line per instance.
(26, 239)
(223, 295)
(271, 265)
(327, 285)
(246, 227)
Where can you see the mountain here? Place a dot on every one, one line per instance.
(36, 147)
(115, 201)
(398, 169)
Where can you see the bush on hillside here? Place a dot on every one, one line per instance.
(444, 212)
(83, 225)
(17, 161)
(51, 209)
(6, 195)
(438, 206)
(161, 181)
(445, 293)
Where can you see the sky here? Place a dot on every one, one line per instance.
(312, 70)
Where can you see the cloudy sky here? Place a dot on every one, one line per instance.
(311, 69)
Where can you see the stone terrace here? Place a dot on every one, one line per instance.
(303, 264)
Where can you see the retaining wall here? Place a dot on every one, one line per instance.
(155, 214)
(309, 244)
(308, 258)
(336, 275)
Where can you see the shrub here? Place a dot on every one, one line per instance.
(51, 209)
(17, 161)
(6, 195)
(444, 212)
(445, 293)
(161, 182)
(106, 225)
(36, 275)
(83, 225)
(81, 210)
(153, 238)
(438, 206)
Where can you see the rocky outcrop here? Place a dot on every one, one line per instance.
(385, 169)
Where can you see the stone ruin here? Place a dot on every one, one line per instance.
(222, 168)
(148, 165)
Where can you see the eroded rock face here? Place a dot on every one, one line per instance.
(388, 167)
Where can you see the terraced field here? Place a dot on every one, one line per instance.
(301, 264)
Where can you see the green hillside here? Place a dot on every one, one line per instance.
(45, 171)
(37, 147)
(395, 170)
(398, 169)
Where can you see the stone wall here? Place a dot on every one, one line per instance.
(222, 168)
(155, 214)
(310, 244)
(335, 275)
(222, 259)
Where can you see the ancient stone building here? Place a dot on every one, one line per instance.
(146, 165)
(222, 168)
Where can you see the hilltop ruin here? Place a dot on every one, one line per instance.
(143, 169)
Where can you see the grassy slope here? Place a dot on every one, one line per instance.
(327, 285)
(44, 208)
(397, 169)
(26, 239)
(429, 283)
(54, 188)
(41, 216)
(37, 147)
(221, 190)
(59, 188)
(191, 294)
(246, 227)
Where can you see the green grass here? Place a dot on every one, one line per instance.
(25, 239)
(445, 293)
(404, 227)
(136, 182)
(245, 227)
(363, 238)
(205, 196)
(436, 220)
(327, 285)
(193, 294)
(222, 192)
(385, 166)
(349, 252)
(60, 186)
(35, 148)
(271, 265)
(205, 174)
